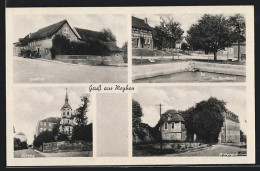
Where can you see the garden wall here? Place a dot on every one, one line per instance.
(91, 59)
(66, 146)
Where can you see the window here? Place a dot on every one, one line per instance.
(173, 125)
(49, 129)
(147, 41)
(46, 51)
(40, 129)
(68, 113)
(65, 31)
(68, 121)
(165, 125)
(44, 129)
(44, 124)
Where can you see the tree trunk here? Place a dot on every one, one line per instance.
(215, 55)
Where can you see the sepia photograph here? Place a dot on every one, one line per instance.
(169, 48)
(189, 121)
(52, 122)
(70, 48)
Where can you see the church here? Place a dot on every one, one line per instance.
(67, 118)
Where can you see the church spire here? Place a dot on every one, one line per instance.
(66, 97)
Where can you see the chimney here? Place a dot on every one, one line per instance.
(145, 20)
(29, 35)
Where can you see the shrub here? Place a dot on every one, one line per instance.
(45, 136)
(62, 137)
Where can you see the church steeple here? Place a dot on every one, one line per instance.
(66, 97)
(66, 105)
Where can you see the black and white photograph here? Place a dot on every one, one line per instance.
(70, 48)
(52, 122)
(189, 121)
(169, 48)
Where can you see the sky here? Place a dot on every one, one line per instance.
(24, 24)
(186, 20)
(181, 98)
(36, 103)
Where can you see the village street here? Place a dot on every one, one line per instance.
(27, 153)
(44, 71)
(215, 150)
(30, 153)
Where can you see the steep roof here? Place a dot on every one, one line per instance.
(47, 31)
(180, 39)
(88, 34)
(140, 23)
(174, 116)
(112, 46)
(51, 119)
(20, 133)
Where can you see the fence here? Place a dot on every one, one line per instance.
(66, 146)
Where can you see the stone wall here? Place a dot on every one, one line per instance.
(66, 146)
(114, 59)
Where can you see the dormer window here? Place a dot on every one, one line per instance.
(169, 117)
(165, 125)
(173, 125)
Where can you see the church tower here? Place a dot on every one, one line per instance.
(66, 123)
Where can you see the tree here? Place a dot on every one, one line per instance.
(168, 32)
(106, 35)
(81, 130)
(56, 129)
(206, 119)
(211, 33)
(60, 46)
(62, 137)
(45, 136)
(124, 48)
(238, 30)
(137, 113)
(81, 117)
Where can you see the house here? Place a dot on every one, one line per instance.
(67, 118)
(115, 53)
(142, 34)
(230, 131)
(41, 40)
(180, 41)
(172, 126)
(46, 125)
(21, 136)
(232, 52)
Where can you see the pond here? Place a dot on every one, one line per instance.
(192, 77)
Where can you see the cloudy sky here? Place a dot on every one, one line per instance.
(34, 104)
(24, 24)
(186, 20)
(181, 98)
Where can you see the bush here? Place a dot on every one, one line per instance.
(83, 133)
(62, 137)
(45, 136)
(62, 46)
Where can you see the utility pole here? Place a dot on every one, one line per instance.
(160, 105)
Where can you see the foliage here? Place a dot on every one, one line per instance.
(80, 115)
(61, 45)
(211, 33)
(83, 133)
(124, 48)
(19, 145)
(107, 35)
(242, 136)
(62, 137)
(238, 30)
(168, 32)
(45, 136)
(56, 129)
(184, 46)
(205, 119)
(137, 113)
